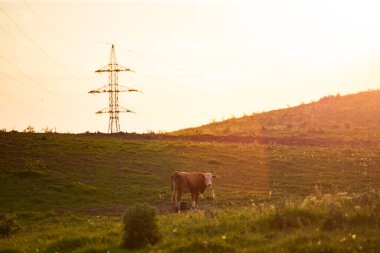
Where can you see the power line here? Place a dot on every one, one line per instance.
(37, 46)
(19, 41)
(35, 82)
(15, 80)
(31, 107)
(27, 76)
(56, 32)
(179, 69)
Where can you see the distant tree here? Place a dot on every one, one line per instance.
(47, 130)
(150, 131)
(29, 129)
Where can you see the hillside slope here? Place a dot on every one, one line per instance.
(353, 115)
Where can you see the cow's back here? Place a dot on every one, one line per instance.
(193, 181)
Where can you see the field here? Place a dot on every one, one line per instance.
(66, 193)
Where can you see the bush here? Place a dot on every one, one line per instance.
(140, 226)
(335, 218)
(8, 225)
(70, 244)
(292, 218)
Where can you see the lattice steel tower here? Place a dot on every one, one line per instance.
(113, 89)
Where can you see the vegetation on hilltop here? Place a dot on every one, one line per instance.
(355, 114)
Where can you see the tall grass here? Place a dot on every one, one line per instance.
(319, 223)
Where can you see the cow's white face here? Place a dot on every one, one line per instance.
(208, 179)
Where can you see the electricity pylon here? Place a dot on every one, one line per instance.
(113, 89)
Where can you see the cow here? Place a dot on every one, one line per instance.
(194, 183)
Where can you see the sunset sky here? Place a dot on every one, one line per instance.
(194, 61)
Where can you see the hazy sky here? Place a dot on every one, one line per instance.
(193, 60)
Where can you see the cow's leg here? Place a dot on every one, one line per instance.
(174, 195)
(194, 200)
(178, 201)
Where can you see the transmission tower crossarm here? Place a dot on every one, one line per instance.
(114, 68)
(127, 89)
(123, 109)
(104, 110)
(119, 109)
(106, 88)
(102, 89)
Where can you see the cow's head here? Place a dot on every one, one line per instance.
(208, 179)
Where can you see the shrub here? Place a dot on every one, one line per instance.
(292, 218)
(8, 224)
(68, 244)
(370, 199)
(140, 226)
(335, 217)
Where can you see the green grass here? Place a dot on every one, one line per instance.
(47, 171)
(69, 192)
(259, 228)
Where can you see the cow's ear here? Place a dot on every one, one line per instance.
(213, 176)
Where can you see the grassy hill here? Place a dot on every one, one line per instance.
(352, 116)
(67, 193)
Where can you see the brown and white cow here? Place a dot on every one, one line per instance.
(194, 183)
